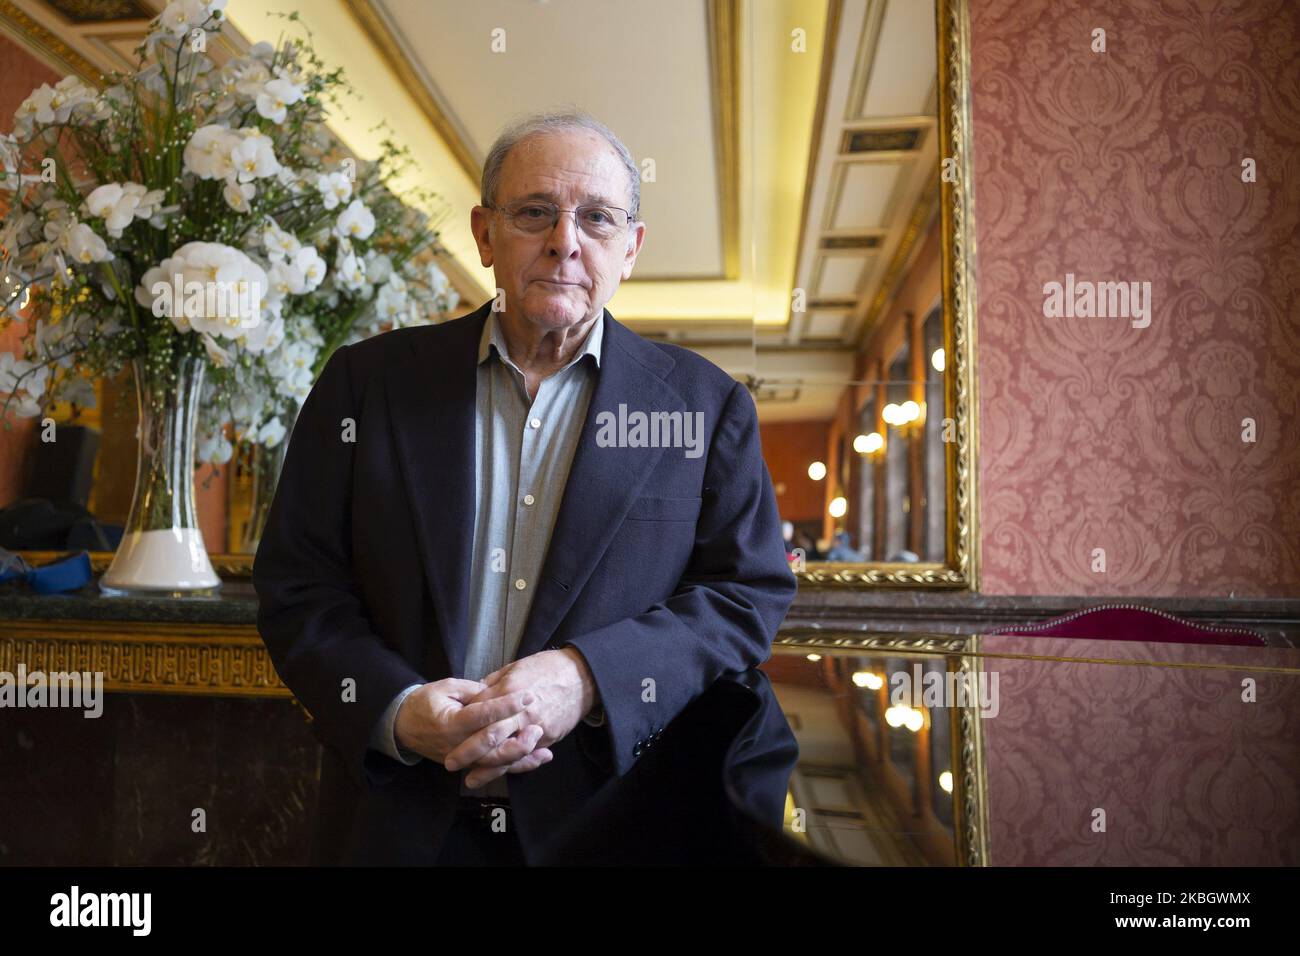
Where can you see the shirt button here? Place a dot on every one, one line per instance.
(535, 423)
(520, 584)
(528, 499)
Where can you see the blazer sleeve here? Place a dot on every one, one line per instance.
(723, 614)
(310, 615)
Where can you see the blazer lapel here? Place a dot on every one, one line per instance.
(431, 389)
(603, 482)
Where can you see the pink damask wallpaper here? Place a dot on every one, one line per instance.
(1127, 166)
(1111, 764)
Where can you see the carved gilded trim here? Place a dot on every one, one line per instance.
(848, 642)
(971, 824)
(35, 36)
(724, 24)
(205, 659)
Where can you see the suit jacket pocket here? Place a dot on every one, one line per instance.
(665, 509)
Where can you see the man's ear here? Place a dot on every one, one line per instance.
(480, 224)
(635, 239)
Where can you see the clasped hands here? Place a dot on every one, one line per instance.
(502, 724)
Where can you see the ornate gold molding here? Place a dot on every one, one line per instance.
(206, 659)
(44, 44)
(724, 23)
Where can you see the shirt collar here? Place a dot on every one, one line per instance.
(492, 337)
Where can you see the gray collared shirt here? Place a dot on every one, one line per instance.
(523, 451)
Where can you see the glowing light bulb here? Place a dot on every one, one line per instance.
(817, 470)
(938, 360)
(839, 506)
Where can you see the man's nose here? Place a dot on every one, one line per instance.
(563, 240)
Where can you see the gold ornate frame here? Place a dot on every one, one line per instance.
(960, 567)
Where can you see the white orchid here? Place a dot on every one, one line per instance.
(120, 204)
(278, 243)
(33, 379)
(182, 16)
(275, 98)
(208, 153)
(78, 241)
(238, 196)
(208, 287)
(335, 188)
(53, 104)
(271, 433)
(355, 222)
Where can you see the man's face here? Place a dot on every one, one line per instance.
(561, 276)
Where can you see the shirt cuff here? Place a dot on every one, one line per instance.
(384, 738)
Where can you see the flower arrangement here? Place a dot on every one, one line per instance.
(196, 221)
(381, 275)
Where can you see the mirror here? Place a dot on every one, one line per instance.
(1030, 751)
(863, 371)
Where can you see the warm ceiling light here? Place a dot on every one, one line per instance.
(868, 679)
(900, 715)
(868, 444)
(817, 471)
(945, 781)
(909, 411)
(839, 506)
(938, 360)
(890, 413)
(814, 657)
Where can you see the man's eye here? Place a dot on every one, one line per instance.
(598, 217)
(534, 212)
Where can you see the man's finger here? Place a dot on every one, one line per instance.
(526, 763)
(483, 741)
(516, 748)
(460, 689)
(489, 710)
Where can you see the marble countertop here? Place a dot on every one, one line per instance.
(881, 610)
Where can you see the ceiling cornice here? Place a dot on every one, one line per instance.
(34, 36)
(724, 22)
(375, 26)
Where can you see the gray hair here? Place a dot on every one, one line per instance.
(553, 123)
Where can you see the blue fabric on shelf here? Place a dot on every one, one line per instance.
(66, 574)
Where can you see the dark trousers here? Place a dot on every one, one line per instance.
(472, 840)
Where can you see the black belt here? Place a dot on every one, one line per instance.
(483, 809)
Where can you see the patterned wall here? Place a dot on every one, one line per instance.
(1127, 165)
(1186, 772)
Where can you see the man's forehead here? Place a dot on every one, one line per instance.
(542, 163)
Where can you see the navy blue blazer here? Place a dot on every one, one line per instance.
(666, 572)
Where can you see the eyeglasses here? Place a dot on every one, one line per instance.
(537, 215)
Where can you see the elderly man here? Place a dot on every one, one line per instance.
(507, 550)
